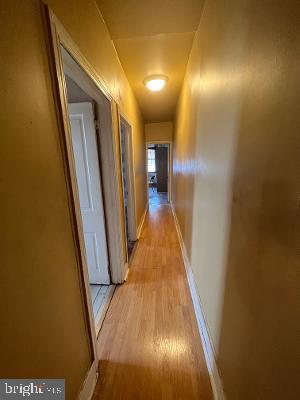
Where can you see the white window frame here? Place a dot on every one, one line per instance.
(151, 159)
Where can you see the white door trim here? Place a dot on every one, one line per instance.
(108, 140)
(108, 137)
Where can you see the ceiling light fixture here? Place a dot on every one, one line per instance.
(155, 83)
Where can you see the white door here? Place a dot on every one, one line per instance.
(89, 186)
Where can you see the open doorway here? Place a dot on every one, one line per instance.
(85, 108)
(128, 185)
(158, 173)
(87, 118)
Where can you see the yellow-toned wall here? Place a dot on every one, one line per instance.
(43, 330)
(159, 132)
(236, 190)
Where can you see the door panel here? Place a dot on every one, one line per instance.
(82, 168)
(89, 186)
(161, 160)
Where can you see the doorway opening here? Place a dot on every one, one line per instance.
(158, 173)
(88, 120)
(128, 186)
(85, 108)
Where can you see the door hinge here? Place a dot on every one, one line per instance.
(97, 124)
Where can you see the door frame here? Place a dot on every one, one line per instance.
(170, 165)
(56, 36)
(130, 178)
(109, 161)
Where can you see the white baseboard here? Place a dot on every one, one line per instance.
(139, 230)
(202, 325)
(89, 384)
(126, 273)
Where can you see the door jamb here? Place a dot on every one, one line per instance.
(107, 159)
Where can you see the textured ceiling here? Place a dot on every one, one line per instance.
(153, 37)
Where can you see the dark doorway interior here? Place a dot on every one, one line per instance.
(125, 178)
(161, 159)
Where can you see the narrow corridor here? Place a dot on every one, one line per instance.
(150, 345)
(164, 132)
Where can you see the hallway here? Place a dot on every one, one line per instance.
(169, 127)
(149, 342)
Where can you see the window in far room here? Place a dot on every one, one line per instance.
(151, 160)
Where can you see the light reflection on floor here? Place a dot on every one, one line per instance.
(156, 198)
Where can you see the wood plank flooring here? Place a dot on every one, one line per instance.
(149, 343)
(101, 296)
(98, 293)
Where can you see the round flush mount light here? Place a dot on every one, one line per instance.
(155, 83)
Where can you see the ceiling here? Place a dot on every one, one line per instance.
(153, 37)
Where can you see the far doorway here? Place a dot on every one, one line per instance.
(128, 186)
(158, 173)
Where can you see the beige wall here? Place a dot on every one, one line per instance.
(43, 330)
(236, 188)
(159, 131)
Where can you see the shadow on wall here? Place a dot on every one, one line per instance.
(237, 192)
(184, 163)
(258, 350)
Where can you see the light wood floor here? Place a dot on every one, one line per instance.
(149, 341)
(101, 296)
(156, 198)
